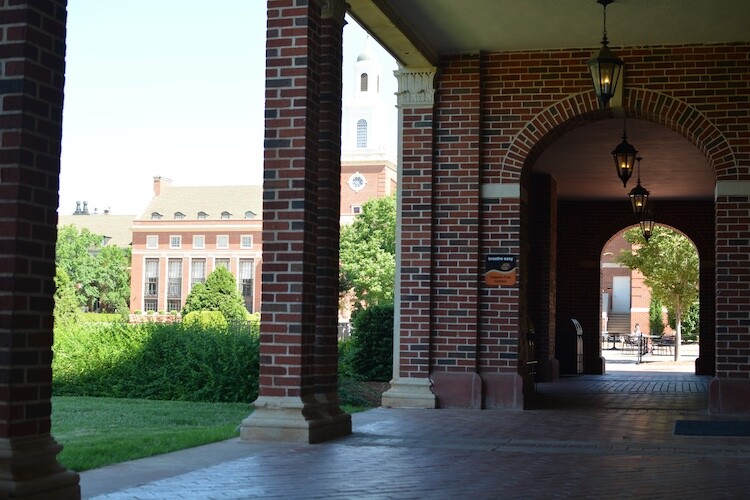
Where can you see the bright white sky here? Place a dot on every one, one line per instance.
(172, 88)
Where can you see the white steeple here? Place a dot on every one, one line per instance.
(364, 119)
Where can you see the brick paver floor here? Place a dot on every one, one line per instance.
(608, 436)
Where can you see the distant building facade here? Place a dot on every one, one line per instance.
(368, 165)
(187, 232)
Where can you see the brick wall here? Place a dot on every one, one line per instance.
(527, 101)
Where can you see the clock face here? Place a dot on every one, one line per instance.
(357, 181)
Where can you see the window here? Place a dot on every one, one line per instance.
(155, 216)
(179, 215)
(246, 273)
(175, 241)
(363, 82)
(151, 289)
(226, 215)
(174, 280)
(246, 241)
(202, 215)
(222, 241)
(357, 182)
(199, 241)
(356, 209)
(152, 241)
(362, 133)
(221, 263)
(197, 272)
(250, 214)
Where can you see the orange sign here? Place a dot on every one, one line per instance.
(500, 270)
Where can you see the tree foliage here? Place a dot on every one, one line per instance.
(218, 293)
(669, 264)
(96, 272)
(368, 252)
(67, 309)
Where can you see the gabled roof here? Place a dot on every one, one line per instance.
(115, 227)
(211, 200)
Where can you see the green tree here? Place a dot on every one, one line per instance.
(113, 278)
(96, 272)
(76, 256)
(67, 308)
(218, 293)
(669, 264)
(368, 252)
(655, 319)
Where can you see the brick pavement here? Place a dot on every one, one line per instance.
(607, 436)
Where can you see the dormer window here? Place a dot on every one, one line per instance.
(250, 214)
(155, 216)
(226, 215)
(202, 215)
(179, 215)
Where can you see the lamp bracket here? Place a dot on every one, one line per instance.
(604, 2)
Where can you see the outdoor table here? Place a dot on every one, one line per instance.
(612, 337)
(642, 336)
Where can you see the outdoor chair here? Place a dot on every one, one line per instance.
(664, 345)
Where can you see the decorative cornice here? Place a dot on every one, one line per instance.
(415, 87)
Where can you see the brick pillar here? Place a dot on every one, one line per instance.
(729, 391)
(410, 386)
(329, 214)
(288, 407)
(33, 46)
(542, 296)
(456, 274)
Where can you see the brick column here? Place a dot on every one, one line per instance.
(33, 46)
(329, 214)
(729, 391)
(410, 386)
(288, 407)
(456, 276)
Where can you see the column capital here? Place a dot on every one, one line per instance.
(333, 9)
(415, 87)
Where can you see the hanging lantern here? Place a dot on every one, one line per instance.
(647, 225)
(639, 194)
(605, 68)
(624, 155)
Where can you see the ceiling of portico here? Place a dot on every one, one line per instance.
(418, 32)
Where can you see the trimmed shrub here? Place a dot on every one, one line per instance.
(371, 356)
(205, 320)
(156, 361)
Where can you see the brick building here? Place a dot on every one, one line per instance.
(185, 233)
(503, 151)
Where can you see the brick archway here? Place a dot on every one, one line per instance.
(582, 108)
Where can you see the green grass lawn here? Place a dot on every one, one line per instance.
(101, 431)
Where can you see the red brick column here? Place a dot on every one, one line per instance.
(33, 47)
(287, 407)
(729, 391)
(410, 386)
(329, 208)
(456, 273)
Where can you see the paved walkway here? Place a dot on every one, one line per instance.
(608, 436)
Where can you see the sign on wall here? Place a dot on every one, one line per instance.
(500, 270)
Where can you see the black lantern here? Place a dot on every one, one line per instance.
(605, 67)
(647, 224)
(624, 155)
(639, 194)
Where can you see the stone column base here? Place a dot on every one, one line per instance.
(409, 393)
(29, 470)
(548, 370)
(310, 419)
(729, 396)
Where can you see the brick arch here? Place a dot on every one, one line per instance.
(579, 109)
